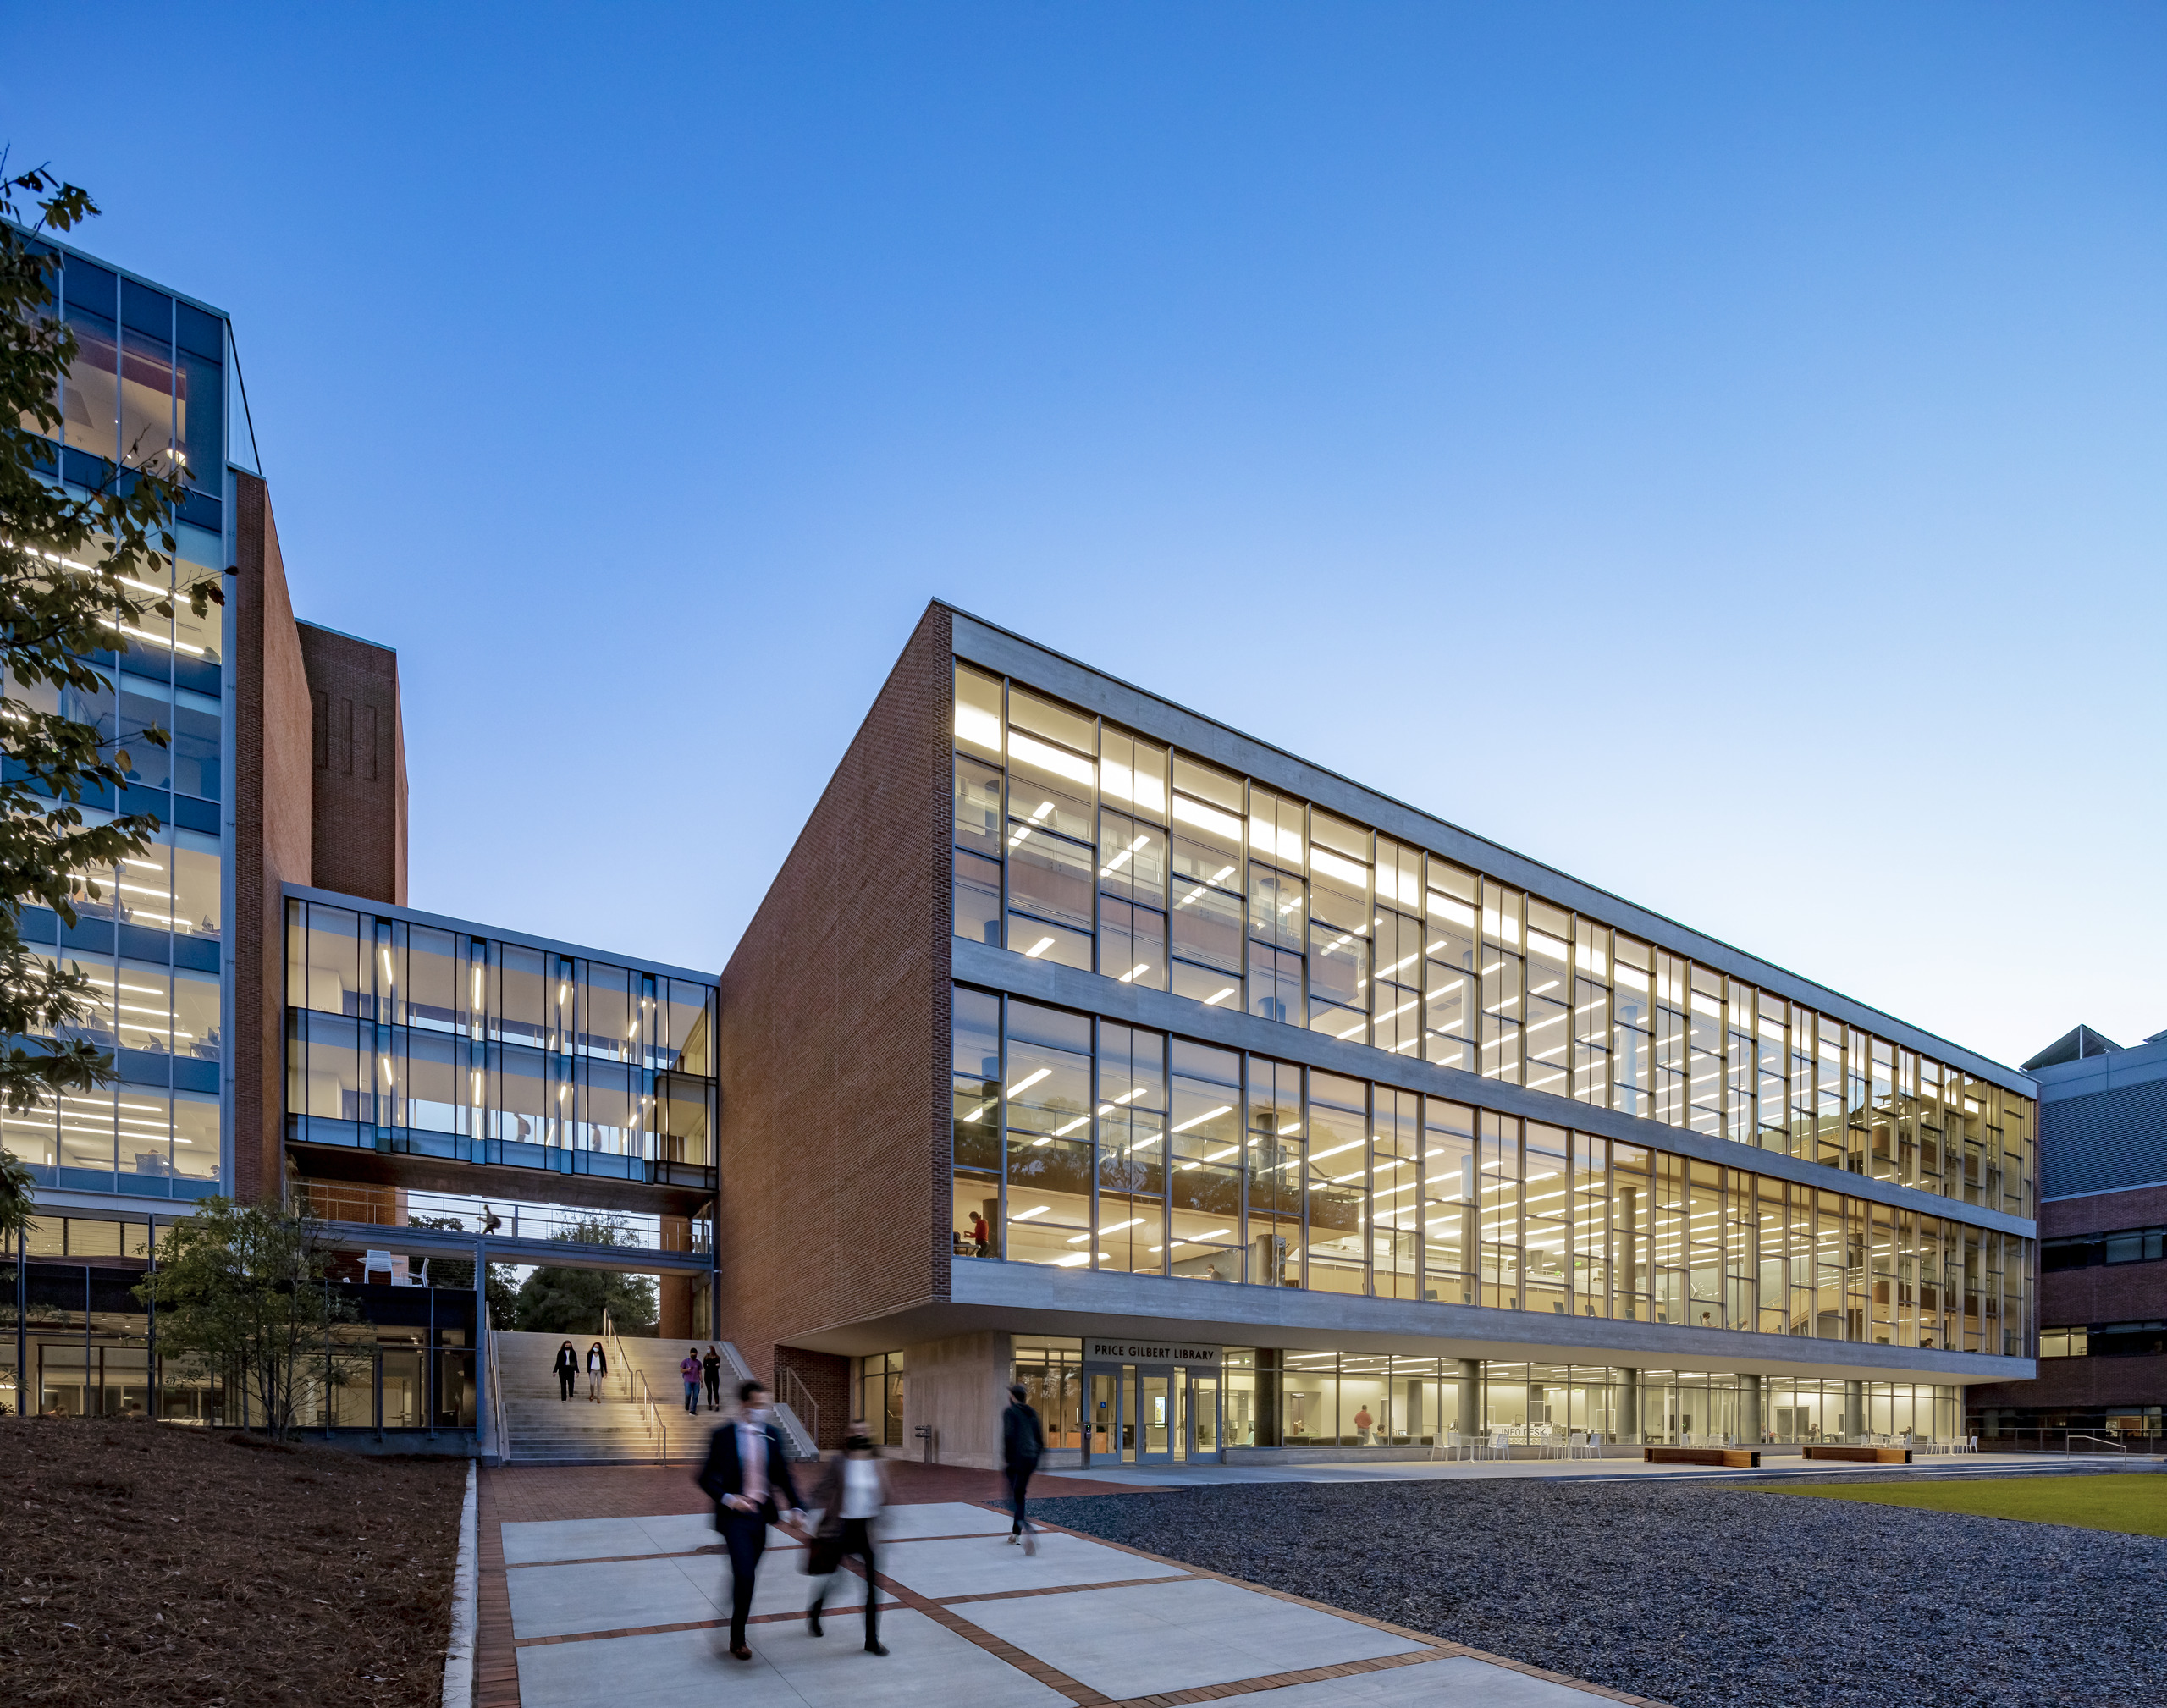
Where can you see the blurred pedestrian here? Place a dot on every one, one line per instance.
(711, 1368)
(598, 1366)
(567, 1368)
(747, 1468)
(1022, 1444)
(688, 1367)
(852, 1493)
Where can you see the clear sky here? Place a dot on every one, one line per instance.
(1715, 449)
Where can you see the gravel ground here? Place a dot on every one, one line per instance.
(1703, 1597)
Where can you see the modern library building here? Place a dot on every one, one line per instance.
(1234, 1108)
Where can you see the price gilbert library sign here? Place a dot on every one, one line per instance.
(1128, 1349)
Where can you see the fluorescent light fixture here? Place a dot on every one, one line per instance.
(1208, 1114)
(1063, 1132)
(1036, 1210)
(1028, 1080)
(1212, 1001)
(1038, 949)
(1071, 1260)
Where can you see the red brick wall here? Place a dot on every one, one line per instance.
(2082, 1383)
(358, 758)
(827, 1379)
(272, 839)
(2101, 1212)
(833, 1143)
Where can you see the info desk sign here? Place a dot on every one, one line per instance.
(1129, 1349)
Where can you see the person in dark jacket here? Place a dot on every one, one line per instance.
(598, 1366)
(1023, 1443)
(567, 1368)
(748, 1476)
(711, 1367)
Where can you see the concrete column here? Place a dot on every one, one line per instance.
(957, 1386)
(1470, 1398)
(1854, 1409)
(1749, 1411)
(1629, 1406)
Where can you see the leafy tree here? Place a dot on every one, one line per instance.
(571, 1301)
(245, 1289)
(75, 569)
(15, 1185)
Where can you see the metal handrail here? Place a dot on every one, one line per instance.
(641, 1395)
(497, 1402)
(2069, 1436)
(799, 1398)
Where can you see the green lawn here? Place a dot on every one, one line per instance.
(2134, 1503)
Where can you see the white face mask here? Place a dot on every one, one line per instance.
(756, 1414)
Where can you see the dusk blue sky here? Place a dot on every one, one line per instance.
(1715, 449)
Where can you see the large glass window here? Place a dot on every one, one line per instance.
(1080, 844)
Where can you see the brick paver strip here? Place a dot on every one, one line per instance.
(496, 1666)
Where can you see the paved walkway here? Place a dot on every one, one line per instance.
(632, 1607)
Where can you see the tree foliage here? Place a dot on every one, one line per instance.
(246, 1289)
(76, 569)
(558, 1301)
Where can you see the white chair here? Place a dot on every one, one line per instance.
(1501, 1444)
(1579, 1446)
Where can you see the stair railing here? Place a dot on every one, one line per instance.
(502, 1433)
(803, 1443)
(637, 1390)
(798, 1398)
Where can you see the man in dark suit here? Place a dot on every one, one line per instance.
(746, 1471)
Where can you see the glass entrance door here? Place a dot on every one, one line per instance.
(1142, 1415)
(1204, 1423)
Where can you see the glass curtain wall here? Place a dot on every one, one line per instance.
(488, 1051)
(1079, 842)
(1313, 1399)
(1085, 1143)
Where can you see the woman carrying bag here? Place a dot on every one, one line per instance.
(853, 1490)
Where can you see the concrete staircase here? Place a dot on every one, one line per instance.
(620, 1429)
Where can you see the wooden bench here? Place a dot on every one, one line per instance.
(1736, 1458)
(1862, 1456)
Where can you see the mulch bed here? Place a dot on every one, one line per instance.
(160, 1564)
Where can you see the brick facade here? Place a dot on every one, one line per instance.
(319, 797)
(358, 765)
(2104, 1293)
(827, 1379)
(834, 1140)
(272, 839)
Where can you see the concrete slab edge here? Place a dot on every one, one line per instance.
(459, 1653)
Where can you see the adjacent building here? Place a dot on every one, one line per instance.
(1235, 1107)
(2103, 1254)
(284, 1026)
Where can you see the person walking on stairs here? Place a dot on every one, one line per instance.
(1022, 1444)
(711, 1368)
(853, 1494)
(747, 1469)
(567, 1370)
(598, 1366)
(688, 1367)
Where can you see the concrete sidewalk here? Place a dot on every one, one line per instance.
(637, 1609)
